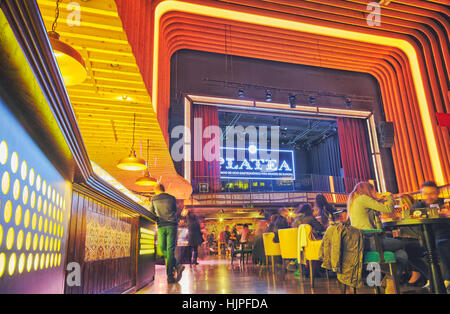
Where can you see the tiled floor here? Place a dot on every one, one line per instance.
(216, 276)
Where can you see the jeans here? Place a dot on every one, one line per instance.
(167, 241)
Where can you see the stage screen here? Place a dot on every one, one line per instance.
(257, 164)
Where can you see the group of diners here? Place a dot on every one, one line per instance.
(365, 206)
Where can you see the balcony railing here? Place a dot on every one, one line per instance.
(255, 199)
(303, 183)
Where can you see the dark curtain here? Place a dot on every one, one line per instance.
(354, 154)
(207, 171)
(326, 158)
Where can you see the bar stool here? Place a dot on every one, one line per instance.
(386, 260)
(271, 248)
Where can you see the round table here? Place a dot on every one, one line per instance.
(426, 227)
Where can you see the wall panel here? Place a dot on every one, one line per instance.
(102, 240)
(34, 213)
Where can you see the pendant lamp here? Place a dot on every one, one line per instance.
(147, 179)
(132, 162)
(70, 62)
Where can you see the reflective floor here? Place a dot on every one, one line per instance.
(216, 276)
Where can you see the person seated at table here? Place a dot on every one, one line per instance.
(233, 239)
(364, 204)
(278, 221)
(271, 226)
(305, 217)
(430, 194)
(244, 234)
(410, 236)
(326, 210)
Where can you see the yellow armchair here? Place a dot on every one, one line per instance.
(270, 248)
(310, 248)
(288, 243)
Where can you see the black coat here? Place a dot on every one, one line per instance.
(163, 208)
(195, 236)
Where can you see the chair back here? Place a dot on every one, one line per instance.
(270, 248)
(288, 242)
(310, 246)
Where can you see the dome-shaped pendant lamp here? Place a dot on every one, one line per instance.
(147, 179)
(132, 162)
(70, 63)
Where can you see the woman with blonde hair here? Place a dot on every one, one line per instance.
(364, 205)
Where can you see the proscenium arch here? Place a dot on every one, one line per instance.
(220, 13)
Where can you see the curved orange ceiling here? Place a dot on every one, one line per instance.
(407, 54)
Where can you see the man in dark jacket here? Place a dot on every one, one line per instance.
(164, 208)
(430, 194)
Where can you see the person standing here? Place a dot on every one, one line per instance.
(195, 237)
(244, 234)
(163, 207)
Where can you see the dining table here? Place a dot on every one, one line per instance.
(427, 232)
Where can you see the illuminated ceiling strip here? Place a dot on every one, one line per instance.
(167, 6)
(116, 184)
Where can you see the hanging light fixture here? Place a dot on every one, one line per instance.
(70, 62)
(147, 179)
(132, 162)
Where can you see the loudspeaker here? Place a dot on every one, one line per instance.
(386, 134)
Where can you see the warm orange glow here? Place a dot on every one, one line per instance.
(406, 47)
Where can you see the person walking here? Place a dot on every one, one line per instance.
(195, 237)
(163, 207)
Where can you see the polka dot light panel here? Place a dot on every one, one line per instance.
(32, 217)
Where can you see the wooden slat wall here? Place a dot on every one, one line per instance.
(103, 276)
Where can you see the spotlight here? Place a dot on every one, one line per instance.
(268, 95)
(241, 93)
(252, 149)
(292, 100)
